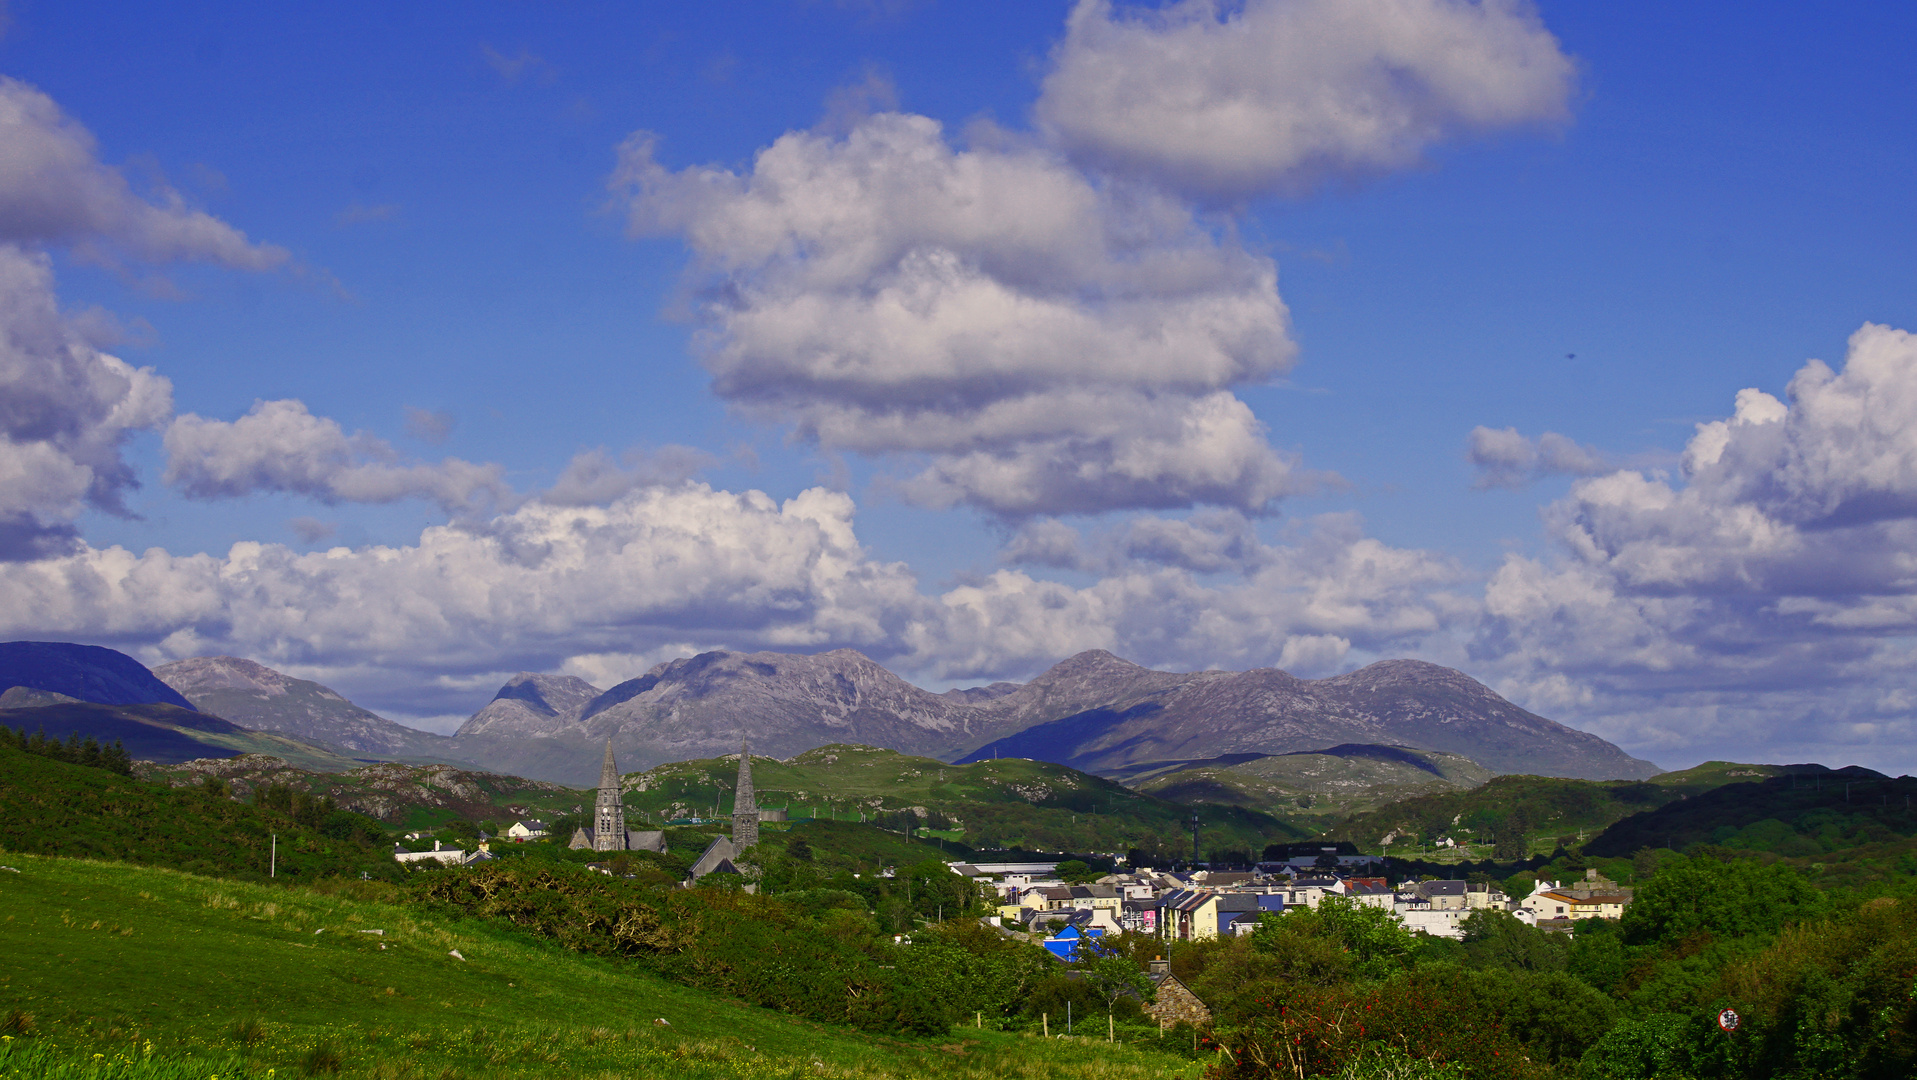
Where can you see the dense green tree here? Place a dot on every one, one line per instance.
(1597, 955)
(1374, 938)
(1732, 898)
(1498, 939)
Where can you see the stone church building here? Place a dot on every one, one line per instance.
(719, 856)
(608, 830)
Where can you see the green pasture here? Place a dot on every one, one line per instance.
(163, 974)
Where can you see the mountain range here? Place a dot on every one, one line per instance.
(1101, 714)
(1094, 712)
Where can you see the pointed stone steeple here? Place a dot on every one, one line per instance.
(609, 812)
(745, 804)
(608, 772)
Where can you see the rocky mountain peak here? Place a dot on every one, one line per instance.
(1400, 674)
(548, 694)
(1091, 663)
(201, 674)
(532, 705)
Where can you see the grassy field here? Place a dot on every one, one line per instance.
(165, 975)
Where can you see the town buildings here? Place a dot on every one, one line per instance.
(1196, 906)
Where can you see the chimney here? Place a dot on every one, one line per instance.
(435, 845)
(1161, 966)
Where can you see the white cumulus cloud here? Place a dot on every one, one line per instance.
(1328, 595)
(54, 190)
(1229, 101)
(1505, 458)
(278, 446)
(1049, 343)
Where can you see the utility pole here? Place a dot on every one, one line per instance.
(273, 861)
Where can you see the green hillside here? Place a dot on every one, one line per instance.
(1850, 824)
(1319, 787)
(1532, 813)
(52, 807)
(1012, 803)
(406, 796)
(185, 976)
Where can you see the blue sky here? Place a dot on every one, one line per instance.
(1598, 222)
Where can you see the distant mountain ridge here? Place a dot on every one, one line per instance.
(1123, 714)
(1325, 784)
(1093, 711)
(166, 733)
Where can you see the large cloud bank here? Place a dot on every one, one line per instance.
(549, 586)
(1766, 598)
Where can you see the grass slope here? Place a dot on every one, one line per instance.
(994, 805)
(1323, 786)
(243, 978)
(51, 807)
(1543, 808)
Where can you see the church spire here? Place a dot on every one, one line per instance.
(609, 772)
(745, 804)
(609, 812)
(744, 798)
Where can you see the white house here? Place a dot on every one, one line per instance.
(451, 856)
(522, 831)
